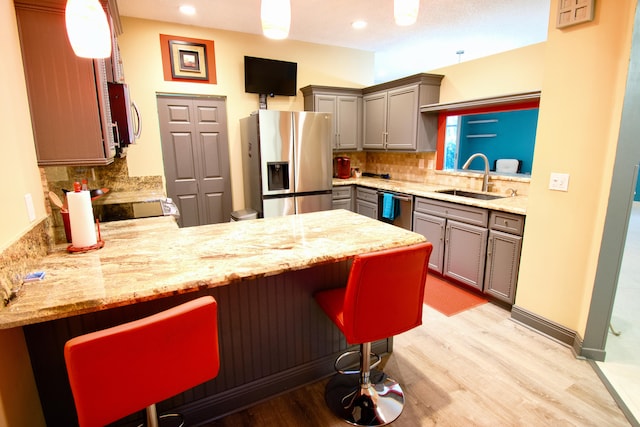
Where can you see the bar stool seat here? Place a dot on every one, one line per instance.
(118, 371)
(383, 297)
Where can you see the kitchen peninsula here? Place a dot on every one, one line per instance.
(262, 272)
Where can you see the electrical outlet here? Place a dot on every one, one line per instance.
(31, 210)
(559, 181)
(430, 164)
(421, 164)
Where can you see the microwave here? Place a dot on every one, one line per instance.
(125, 117)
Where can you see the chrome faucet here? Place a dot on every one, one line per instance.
(485, 181)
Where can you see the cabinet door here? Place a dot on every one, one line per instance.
(465, 251)
(347, 122)
(341, 204)
(402, 118)
(368, 209)
(374, 120)
(327, 104)
(63, 96)
(503, 261)
(433, 228)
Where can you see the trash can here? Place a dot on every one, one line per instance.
(243, 215)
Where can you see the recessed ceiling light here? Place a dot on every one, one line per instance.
(359, 24)
(188, 9)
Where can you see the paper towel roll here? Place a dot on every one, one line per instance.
(83, 228)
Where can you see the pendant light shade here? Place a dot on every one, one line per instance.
(276, 18)
(88, 29)
(405, 12)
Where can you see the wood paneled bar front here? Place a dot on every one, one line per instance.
(263, 274)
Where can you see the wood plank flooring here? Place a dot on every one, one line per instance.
(477, 368)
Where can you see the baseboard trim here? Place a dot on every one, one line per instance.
(548, 328)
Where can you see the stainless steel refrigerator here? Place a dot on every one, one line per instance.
(287, 162)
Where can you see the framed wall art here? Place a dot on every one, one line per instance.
(188, 60)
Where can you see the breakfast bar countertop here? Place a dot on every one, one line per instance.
(150, 258)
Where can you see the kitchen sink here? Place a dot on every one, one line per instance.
(470, 194)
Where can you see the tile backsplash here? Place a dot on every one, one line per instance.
(420, 168)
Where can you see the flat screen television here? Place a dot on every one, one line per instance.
(270, 77)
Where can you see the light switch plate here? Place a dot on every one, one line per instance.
(31, 211)
(559, 181)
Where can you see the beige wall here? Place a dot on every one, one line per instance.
(514, 71)
(140, 48)
(581, 71)
(585, 71)
(19, 175)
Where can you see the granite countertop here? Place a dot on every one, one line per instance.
(517, 204)
(149, 258)
(139, 196)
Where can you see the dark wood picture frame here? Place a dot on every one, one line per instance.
(188, 60)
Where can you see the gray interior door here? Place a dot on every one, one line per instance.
(195, 153)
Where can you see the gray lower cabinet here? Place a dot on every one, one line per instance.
(342, 197)
(367, 202)
(465, 253)
(433, 228)
(459, 237)
(503, 255)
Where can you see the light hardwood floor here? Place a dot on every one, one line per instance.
(477, 368)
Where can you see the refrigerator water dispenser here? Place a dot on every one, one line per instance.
(278, 175)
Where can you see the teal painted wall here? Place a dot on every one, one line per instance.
(515, 135)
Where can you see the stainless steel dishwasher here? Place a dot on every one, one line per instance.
(404, 213)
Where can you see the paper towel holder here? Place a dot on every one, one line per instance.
(99, 243)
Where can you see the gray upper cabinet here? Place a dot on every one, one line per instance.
(346, 106)
(391, 114)
(374, 121)
(68, 95)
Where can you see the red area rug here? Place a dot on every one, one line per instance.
(447, 298)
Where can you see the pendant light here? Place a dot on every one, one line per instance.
(276, 18)
(88, 29)
(405, 12)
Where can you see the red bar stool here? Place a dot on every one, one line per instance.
(118, 371)
(383, 297)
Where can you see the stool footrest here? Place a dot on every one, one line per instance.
(356, 371)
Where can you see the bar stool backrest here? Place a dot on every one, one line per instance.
(385, 293)
(118, 371)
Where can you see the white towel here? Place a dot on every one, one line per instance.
(507, 165)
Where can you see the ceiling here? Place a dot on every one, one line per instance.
(444, 27)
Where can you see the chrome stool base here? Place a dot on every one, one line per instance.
(375, 404)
